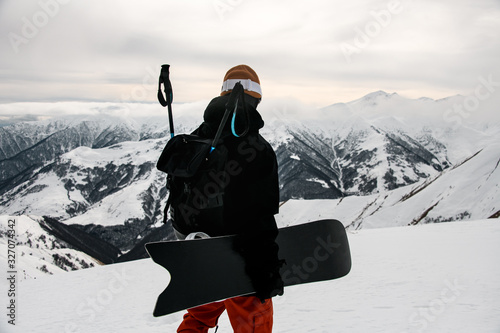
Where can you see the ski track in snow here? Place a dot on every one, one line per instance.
(430, 278)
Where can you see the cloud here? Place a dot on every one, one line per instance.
(103, 51)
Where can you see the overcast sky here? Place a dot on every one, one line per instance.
(318, 51)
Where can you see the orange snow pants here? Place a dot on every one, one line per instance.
(247, 314)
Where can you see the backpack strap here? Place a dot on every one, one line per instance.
(231, 107)
(241, 92)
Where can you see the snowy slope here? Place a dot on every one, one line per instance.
(469, 190)
(424, 119)
(38, 252)
(429, 278)
(74, 181)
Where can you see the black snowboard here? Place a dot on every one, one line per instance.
(208, 270)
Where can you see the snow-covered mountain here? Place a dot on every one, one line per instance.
(380, 160)
(41, 250)
(468, 190)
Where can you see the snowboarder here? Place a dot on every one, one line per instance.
(251, 199)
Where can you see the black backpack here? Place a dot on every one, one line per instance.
(196, 176)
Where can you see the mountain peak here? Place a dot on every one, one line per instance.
(375, 96)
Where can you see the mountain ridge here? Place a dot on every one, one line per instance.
(97, 172)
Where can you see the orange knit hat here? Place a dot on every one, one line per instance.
(247, 77)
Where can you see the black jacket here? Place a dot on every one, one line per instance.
(251, 198)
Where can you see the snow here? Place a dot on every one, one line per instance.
(320, 181)
(35, 249)
(55, 203)
(430, 278)
(113, 209)
(465, 191)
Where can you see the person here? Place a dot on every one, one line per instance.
(251, 199)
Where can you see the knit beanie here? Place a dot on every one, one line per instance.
(247, 77)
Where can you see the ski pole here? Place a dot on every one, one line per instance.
(169, 95)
